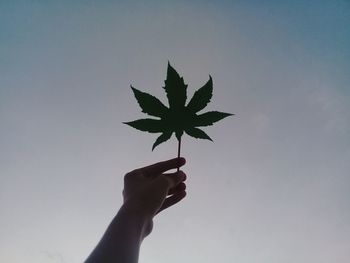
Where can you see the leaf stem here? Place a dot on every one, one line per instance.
(178, 152)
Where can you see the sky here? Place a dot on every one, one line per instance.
(273, 186)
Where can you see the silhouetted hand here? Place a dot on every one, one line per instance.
(147, 191)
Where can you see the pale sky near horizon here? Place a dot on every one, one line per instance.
(273, 187)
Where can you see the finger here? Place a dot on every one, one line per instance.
(172, 200)
(175, 178)
(161, 167)
(180, 187)
(179, 173)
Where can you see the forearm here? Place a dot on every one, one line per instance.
(122, 240)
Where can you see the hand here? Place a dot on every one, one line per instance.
(149, 190)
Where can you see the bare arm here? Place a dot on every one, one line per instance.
(147, 191)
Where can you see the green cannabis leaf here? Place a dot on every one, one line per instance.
(178, 118)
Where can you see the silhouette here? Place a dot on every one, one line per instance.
(147, 191)
(178, 117)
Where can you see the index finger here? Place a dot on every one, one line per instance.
(164, 166)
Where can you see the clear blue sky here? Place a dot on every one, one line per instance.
(274, 185)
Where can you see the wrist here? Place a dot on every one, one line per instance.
(136, 219)
(122, 240)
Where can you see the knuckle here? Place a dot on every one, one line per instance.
(129, 175)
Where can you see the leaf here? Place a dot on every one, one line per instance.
(210, 117)
(178, 134)
(162, 138)
(149, 104)
(175, 89)
(201, 97)
(197, 133)
(148, 125)
(177, 118)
